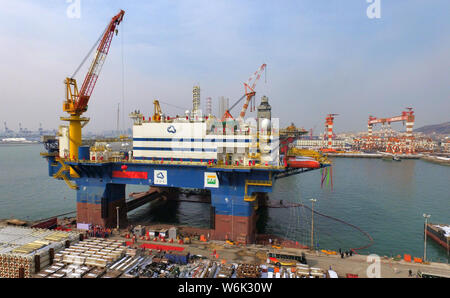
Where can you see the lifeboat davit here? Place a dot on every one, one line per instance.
(303, 162)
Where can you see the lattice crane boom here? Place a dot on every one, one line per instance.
(249, 93)
(77, 101)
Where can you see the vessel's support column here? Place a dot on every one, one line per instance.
(97, 202)
(234, 218)
(75, 139)
(234, 204)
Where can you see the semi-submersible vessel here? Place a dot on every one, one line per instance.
(237, 160)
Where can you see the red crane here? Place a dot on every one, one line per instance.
(252, 92)
(249, 93)
(76, 103)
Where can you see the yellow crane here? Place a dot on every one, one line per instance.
(157, 114)
(76, 102)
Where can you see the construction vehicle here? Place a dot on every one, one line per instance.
(229, 242)
(285, 258)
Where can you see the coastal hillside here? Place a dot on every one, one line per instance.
(443, 128)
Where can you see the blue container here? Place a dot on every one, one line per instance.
(84, 153)
(178, 258)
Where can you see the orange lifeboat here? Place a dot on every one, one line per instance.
(303, 162)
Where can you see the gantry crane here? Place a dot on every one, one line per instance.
(406, 116)
(249, 94)
(76, 102)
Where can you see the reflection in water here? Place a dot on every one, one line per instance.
(384, 198)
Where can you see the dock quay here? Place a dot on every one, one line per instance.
(158, 251)
(442, 160)
(437, 159)
(373, 155)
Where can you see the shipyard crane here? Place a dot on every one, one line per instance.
(6, 128)
(406, 116)
(76, 102)
(157, 114)
(249, 93)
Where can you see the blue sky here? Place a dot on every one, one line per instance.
(322, 57)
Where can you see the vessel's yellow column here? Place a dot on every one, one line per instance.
(74, 138)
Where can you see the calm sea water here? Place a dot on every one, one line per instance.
(384, 198)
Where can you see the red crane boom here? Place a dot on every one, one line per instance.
(252, 92)
(77, 102)
(97, 63)
(247, 94)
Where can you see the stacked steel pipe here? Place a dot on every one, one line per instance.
(248, 271)
(24, 251)
(96, 252)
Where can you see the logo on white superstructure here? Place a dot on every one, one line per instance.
(171, 129)
(160, 177)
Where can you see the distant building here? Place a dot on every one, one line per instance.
(337, 144)
(445, 145)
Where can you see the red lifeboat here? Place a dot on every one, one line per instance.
(303, 162)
